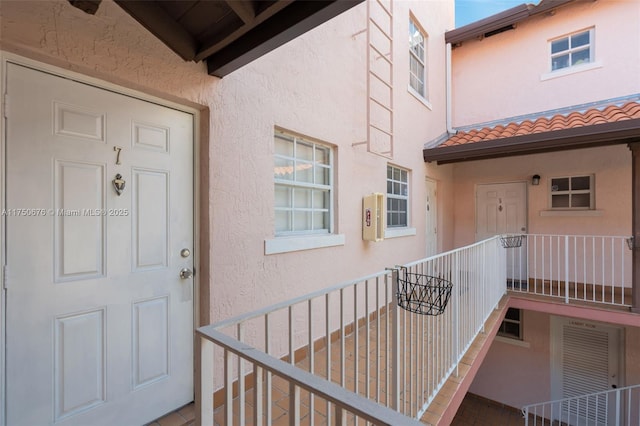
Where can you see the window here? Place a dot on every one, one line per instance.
(303, 186)
(417, 59)
(572, 50)
(511, 326)
(575, 192)
(397, 197)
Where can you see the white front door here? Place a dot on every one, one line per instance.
(431, 223)
(99, 322)
(502, 209)
(585, 360)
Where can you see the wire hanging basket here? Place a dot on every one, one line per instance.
(422, 294)
(511, 241)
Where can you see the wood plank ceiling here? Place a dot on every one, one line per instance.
(228, 34)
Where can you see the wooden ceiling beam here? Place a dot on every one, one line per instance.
(245, 9)
(155, 19)
(294, 20)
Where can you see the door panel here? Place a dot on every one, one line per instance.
(99, 328)
(431, 223)
(502, 209)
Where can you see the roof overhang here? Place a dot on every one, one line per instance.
(500, 21)
(227, 34)
(619, 132)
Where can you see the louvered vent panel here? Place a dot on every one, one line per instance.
(585, 370)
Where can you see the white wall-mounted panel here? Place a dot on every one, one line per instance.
(150, 210)
(79, 355)
(150, 341)
(150, 137)
(79, 228)
(77, 121)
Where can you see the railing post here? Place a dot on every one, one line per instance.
(618, 407)
(395, 346)
(455, 298)
(204, 397)
(566, 269)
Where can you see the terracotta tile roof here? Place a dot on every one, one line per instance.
(590, 117)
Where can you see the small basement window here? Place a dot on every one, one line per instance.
(572, 193)
(511, 326)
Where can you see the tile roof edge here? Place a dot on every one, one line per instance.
(601, 104)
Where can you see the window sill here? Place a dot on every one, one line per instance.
(514, 342)
(570, 70)
(572, 213)
(399, 232)
(302, 242)
(420, 98)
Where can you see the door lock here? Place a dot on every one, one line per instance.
(186, 273)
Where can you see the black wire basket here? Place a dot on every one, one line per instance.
(511, 241)
(422, 294)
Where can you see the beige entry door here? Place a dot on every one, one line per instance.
(431, 222)
(502, 209)
(99, 197)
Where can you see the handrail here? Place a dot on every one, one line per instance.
(552, 409)
(352, 402)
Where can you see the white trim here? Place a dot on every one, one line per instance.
(399, 232)
(5, 59)
(304, 242)
(571, 70)
(514, 342)
(575, 213)
(419, 97)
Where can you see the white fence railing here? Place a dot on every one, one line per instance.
(571, 267)
(615, 407)
(355, 336)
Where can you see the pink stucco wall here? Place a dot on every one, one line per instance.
(516, 375)
(313, 85)
(502, 75)
(610, 165)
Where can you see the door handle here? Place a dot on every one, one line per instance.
(186, 273)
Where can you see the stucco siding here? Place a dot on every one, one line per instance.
(314, 85)
(507, 74)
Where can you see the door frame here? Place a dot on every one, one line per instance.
(475, 203)
(7, 58)
(555, 347)
(430, 181)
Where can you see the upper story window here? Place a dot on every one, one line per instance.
(573, 192)
(417, 59)
(572, 50)
(303, 176)
(397, 197)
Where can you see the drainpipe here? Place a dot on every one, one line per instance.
(448, 73)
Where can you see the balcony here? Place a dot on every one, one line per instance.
(349, 355)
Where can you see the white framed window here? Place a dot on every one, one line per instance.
(397, 197)
(511, 326)
(303, 177)
(417, 59)
(572, 50)
(572, 192)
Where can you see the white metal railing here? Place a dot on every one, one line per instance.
(617, 407)
(572, 267)
(355, 336)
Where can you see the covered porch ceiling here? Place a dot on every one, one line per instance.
(226, 34)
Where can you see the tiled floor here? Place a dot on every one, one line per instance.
(474, 411)
(280, 388)
(478, 411)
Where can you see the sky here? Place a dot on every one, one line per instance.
(468, 11)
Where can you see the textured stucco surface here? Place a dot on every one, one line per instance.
(501, 76)
(313, 85)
